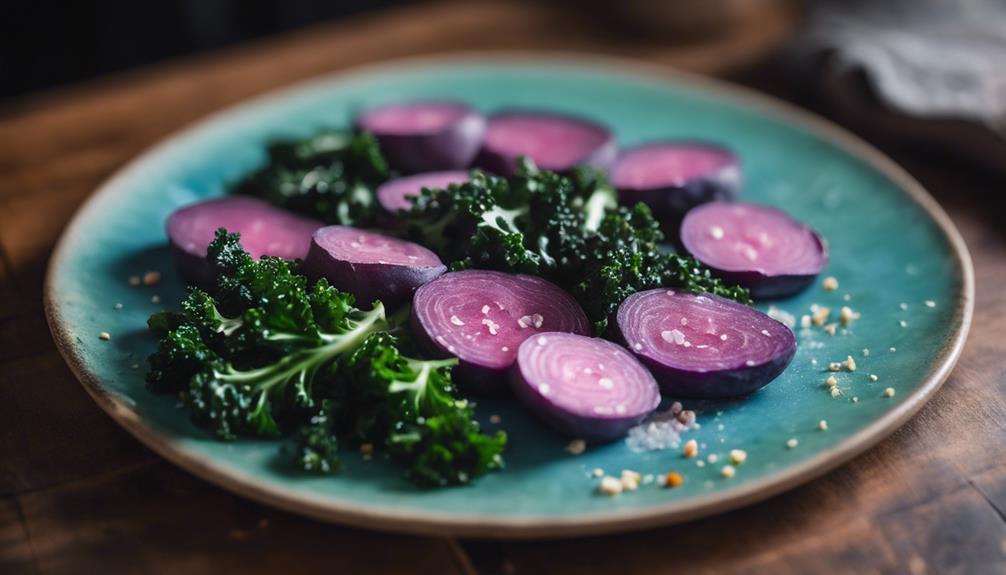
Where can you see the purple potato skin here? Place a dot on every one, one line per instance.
(720, 384)
(392, 284)
(450, 149)
(592, 429)
(504, 165)
(764, 286)
(470, 377)
(669, 204)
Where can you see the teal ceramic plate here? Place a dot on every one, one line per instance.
(891, 247)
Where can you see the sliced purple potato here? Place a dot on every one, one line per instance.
(672, 177)
(552, 141)
(394, 195)
(426, 136)
(371, 266)
(265, 231)
(481, 317)
(704, 346)
(582, 386)
(758, 247)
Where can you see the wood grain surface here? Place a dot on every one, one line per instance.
(77, 494)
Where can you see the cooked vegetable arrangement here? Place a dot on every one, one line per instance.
(369, 265)
(546, 258)
(426, 136)
(674, 176)
(481, 317)
(583, 386)
(551, 141)
(701, 345)
(266, 355)
(265, 230)
(758, 247)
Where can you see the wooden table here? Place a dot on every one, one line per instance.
(77, 494)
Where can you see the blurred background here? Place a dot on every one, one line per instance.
(926, 73)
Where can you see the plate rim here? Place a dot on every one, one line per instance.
(531, 526)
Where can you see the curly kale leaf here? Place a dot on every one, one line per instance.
(266, 354)
(567, 230)
(250, 357)
(411, 408)
(330, 176)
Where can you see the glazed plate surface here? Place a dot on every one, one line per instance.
(890, 245)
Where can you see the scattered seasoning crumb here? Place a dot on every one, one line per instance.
(118, 306)
(889, 392)
(831, 328)
(820, 315)
(728, 471)
(495, 419)
(822, 425)
(648, 479)
(866, 352)
(903, 306)
(849, 363)
(151, 278)
(576, 447)
(691, 448)
(673, 479)
(155, 299)
(834, 366)
(855, 399)
(892, 349)
(831, 381)
(610, 486)
(930, 303)
(792, 442)
(597, 472)
(700, 463)
(805, 321)
(738, 456)
(846, 315)
(873, 377)
(104, 336)
(835, 391)
(830, 284)
(846, 297)
(630, 480)
(134, 280)
(903, 323)
(712, 458)
(813, 361)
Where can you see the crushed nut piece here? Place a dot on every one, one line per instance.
(831, 381)
(610, 486)
(830, 284)
(849, 363)
(846, 315)
(820, 315)
(728, 471)
(104, 336)
(889, 392)
(598, 472)
(630, 480)
(830, 328)
(873, 377)
(834, 366)
(822, 425)
(738, 456)
(835, 391)
(673, 479)
(691, 448)
(792, 442)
